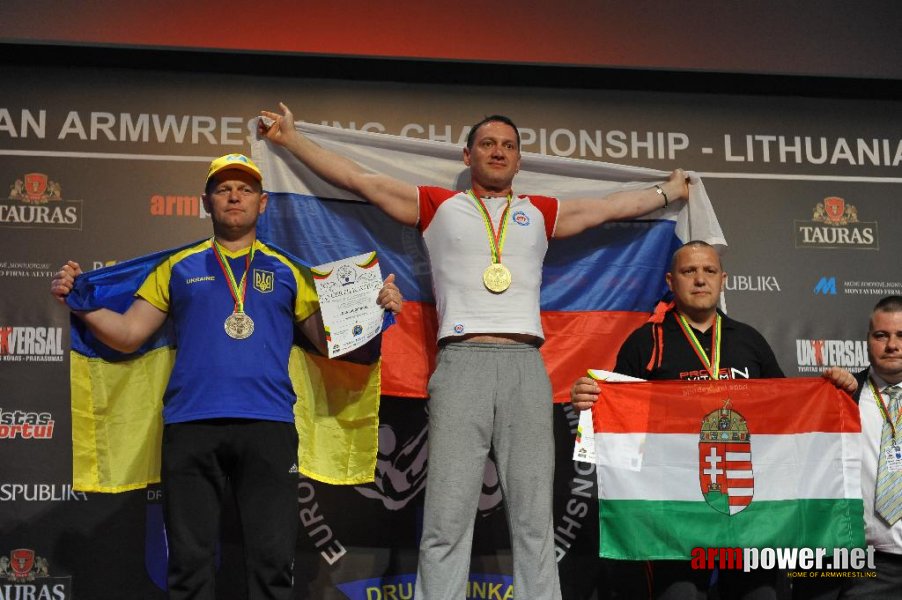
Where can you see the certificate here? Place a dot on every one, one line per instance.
(347, 291)
(584, 447)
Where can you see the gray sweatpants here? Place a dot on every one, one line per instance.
(483, 396)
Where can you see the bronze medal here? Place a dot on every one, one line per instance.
(497, 278)
(239, 326)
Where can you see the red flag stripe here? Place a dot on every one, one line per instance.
(572, 346)
(742, 483)
(680, 407)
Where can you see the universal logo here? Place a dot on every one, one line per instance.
(834, 224)
(36, 201)
(813, 356)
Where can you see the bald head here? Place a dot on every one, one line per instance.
(694, 244)
(696, 280)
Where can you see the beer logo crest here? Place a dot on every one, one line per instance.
(36, 201)
(834, 211)
(22, 565)
(725, 461)
(264, 281)
(35, 188)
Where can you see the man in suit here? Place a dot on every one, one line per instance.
(879, 399)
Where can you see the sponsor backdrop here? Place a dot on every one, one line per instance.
(99, 165)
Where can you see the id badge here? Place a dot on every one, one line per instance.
(893, 456)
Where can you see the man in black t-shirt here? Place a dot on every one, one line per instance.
(692, 340)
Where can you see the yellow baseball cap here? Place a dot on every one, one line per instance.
(234, 161)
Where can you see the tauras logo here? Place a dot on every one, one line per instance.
(40, 492)
(38, 344)
(26, 425)
(834, 224)
(814, 356)
(35, 200)
(752, 283)
(27, 577)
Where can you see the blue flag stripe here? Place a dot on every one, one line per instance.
(605, 268)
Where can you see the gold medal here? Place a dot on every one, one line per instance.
(497, 278)
(239, 326)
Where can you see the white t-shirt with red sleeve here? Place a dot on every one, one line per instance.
(459, 251)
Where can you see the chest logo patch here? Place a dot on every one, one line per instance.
(264, 281)
(520, 218)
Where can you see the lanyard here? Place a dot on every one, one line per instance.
(713, 364)
(237, 289)
(496, 238)
(884, 409)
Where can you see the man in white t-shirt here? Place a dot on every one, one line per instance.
(490, 390)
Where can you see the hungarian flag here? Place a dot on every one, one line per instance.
(599, 285)
(762, 463)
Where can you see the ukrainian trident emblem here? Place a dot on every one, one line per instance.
(725, 461)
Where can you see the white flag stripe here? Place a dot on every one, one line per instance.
(739, 474)
(851, 465)
(635, 464)
(425, 162)
(738, 456)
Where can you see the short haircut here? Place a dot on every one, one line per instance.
(471, 137)
(694, 244)
(887, 304)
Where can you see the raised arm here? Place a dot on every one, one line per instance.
(577, 215)
(396, 198)
(123, 332)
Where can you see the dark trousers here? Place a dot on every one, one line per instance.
(676, 580)
(887, 585)
(256, 459)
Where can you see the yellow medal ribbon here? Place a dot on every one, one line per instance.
(884, 409)
(712, 365)
(497, 277)
(239, 324)
(237, 289)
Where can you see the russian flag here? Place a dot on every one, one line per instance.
(597, 287)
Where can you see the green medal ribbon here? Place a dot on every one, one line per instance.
(496, 239)
(713, 364)
(237, 289)
(884, 409)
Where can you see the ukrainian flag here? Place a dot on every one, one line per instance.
(117, 402)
